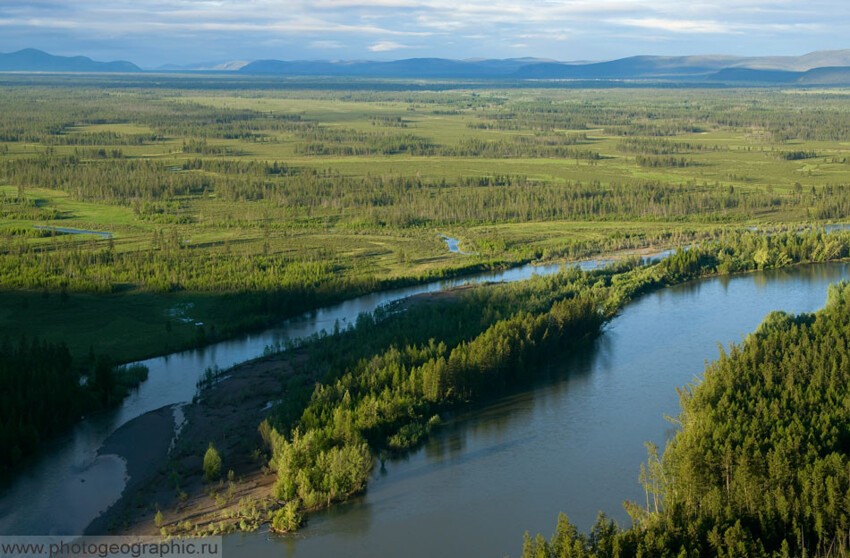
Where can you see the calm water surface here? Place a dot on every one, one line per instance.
(70, 471)
(572, 443)
(453, 244)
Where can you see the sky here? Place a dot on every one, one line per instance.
(155, 32)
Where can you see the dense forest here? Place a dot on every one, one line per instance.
(759, 466)
(379, 388)
(40, 395)
(390, 401)
(44, 391)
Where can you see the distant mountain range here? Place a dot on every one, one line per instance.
(808, 68)
(816, 68)
(825, 67)
(32, 60)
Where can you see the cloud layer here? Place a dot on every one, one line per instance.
(153, 32)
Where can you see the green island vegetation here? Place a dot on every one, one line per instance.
(143, 215)
(378, 388)
(758, 466)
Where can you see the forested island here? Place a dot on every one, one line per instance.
(377, 389)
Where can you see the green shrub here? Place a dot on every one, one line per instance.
(287, 518)
(212, 464)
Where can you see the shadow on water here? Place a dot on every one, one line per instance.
(447, 447)
(543, 385)
(27, 502)
(761, 279)
(570, 440)
(494, 415)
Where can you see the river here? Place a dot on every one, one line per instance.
(572, 443)
(67, 230)
(69, 469)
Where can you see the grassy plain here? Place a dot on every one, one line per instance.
(365, 182)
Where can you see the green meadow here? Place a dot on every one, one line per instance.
(232, 208)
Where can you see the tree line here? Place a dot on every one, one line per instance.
(44, 392)
(403, 200)
(384, 382)
(759, 464)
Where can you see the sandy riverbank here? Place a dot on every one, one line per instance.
(143, 443)
(227, 415)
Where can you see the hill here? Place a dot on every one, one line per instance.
(815, 68)
(33, 60)
(750, 75)
(722, 68)
(826, 76)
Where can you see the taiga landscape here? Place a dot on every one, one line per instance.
(458, 303)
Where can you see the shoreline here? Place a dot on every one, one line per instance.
(228, 412)
(227, 415)
(143, 445)
(171, 480)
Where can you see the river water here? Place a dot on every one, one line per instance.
(66, 230)
(69, 470)
(571, 443)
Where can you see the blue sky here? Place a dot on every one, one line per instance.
(154, 32)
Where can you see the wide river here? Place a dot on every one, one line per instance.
(70, 471)
(572, 443)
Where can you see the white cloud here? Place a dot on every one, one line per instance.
(440, 23)
(710, 26)
(365, 4)
(387, 46)
(677, 25)
(295, 26)
(547, 35)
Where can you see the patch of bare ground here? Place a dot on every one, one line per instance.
(435, 297)
(171, 496)
(227, 415)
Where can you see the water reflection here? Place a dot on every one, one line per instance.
(447, 445)
(572, 441)
(550, 382)
(27, 505)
